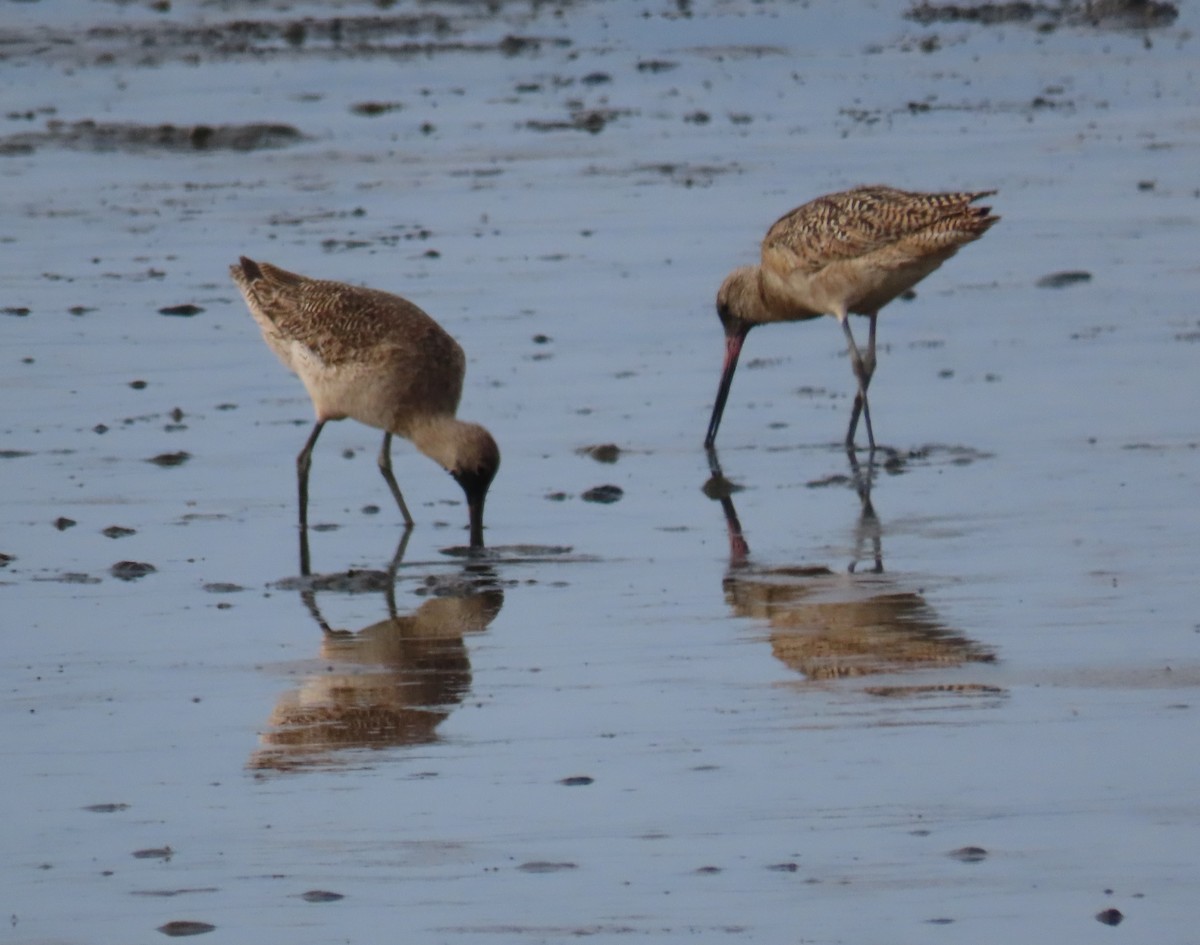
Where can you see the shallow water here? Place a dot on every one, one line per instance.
(676, 714)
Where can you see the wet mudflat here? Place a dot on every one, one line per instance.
(750, 702)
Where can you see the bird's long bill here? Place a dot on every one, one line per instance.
(475, 510)
(733, 348)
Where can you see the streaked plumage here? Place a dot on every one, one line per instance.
(841, 254)
(376, 358)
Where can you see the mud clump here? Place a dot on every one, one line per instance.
(182, 927)
(170, 459)
(544, 866)
(591, 120)
(186, 310)
(601, 452)
(131, 570)
(223, 587)
(1060, 280)
(363, 581)
(604, 495)
(154, 853)
(321, 895)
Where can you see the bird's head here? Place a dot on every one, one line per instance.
(476, 459)
(738, 299)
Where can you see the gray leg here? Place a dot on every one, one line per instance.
(303, 462)
(864, 369)
(385, 467)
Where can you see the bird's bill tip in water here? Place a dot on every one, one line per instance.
(475, 487)
(733, 348)
(475, 510)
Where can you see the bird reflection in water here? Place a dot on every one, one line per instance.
(830, 624)
(388, 685)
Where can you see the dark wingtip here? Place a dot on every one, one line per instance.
(249, 268)
(984, 214)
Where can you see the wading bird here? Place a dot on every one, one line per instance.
(380, 360)
(844, 254)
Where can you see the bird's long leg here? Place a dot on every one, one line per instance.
(303, 463)
(869, 371)
(863, 374)
(385, 467)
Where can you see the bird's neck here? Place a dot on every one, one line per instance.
(794, 297)
(746, 294)
(439, 438)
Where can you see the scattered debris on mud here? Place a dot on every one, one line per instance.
(1108, 14)
(89, 135)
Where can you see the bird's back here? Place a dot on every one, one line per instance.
(351, 345)
(860, 248)
(854, 223)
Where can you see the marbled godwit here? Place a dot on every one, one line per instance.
(380, 360)
(843, 254)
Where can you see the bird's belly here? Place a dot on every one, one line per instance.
(866, 285)
(346, 392)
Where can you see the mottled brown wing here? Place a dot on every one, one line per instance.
(856, 223)
(340, 322)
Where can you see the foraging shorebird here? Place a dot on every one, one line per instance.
(844, 254)
(380, 360)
